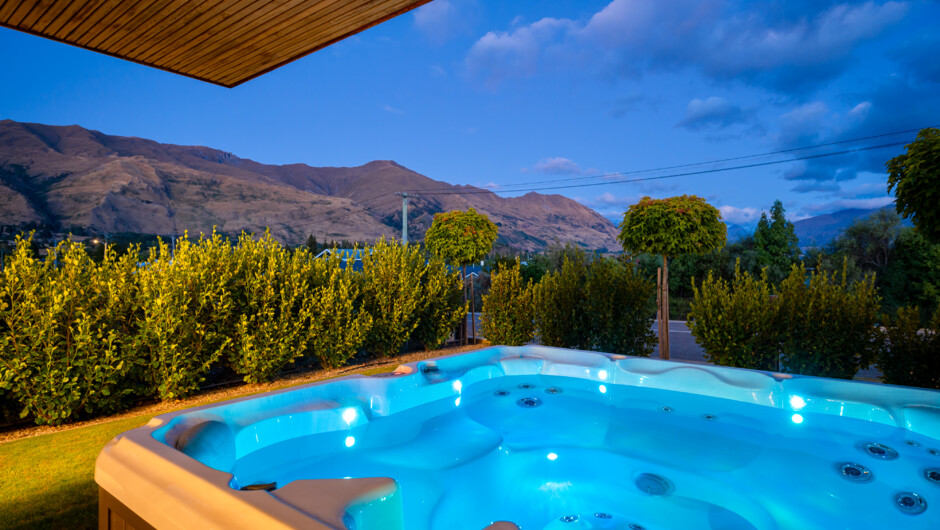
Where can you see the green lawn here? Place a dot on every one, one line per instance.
(48, 481)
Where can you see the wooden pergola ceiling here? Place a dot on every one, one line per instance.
(226, 42)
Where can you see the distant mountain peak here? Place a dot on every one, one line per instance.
(80, 178)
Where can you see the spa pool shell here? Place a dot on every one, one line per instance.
(536, 437)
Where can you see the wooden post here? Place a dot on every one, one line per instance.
(664, 328)
(463, 324)
(473, 313)
(659, 309)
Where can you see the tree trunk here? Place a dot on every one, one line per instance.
(664, 312)
(473, 313)
(463, 289)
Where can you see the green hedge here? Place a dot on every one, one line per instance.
(912, 353)
(508, 314)
(815, 324)
(600, 304)
(79, 338)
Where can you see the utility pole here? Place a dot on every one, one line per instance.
(404, 214)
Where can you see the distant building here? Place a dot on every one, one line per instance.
(345, 254)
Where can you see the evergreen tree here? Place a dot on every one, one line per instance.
(776, 243)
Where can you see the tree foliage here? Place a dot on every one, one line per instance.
(912, 355)
(915, 178)
(508, 313)
(441, 307)
(870, 241)
(671, 227)
(776, 243)
(339, 326)
(187, 312)
(600, 304)
(392, 295)
(735, 322)
(817, 324)
(829, 325)
(274, 307)
(64, 347)
(460, 237)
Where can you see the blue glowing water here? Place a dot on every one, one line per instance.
(547, 452)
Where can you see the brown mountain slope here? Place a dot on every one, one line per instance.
(72, 176)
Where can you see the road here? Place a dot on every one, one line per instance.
(682, 346)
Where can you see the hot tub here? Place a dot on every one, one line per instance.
(534, 438)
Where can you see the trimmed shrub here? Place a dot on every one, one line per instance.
(736, 323)
(186, 313)
(65, 349)
(274, 306)
(508, 312)
(829, 328)
(912, 355)
(620, 302)
(441, 307)
(561, 316)
(338, 324)
(601, 305)
(393, 276)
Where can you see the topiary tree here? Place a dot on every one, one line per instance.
(461, 238)
(670, 227)
(915, 179)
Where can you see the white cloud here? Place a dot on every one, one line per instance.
(441, 20)
(845, 204)
(557, 166)
(725, 41)
(712, 112)
(739, 216)
(392, 110)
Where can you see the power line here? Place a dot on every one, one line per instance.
(544, 185)
(675, 175)
(505, 187)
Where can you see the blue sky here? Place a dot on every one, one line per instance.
(505, 93)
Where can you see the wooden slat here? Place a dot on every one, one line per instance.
(94, 19)
(30, 15)
(55, 25)
(7, 9)
(18, 14)
(362, 27)
(169, 17)
(85, 11)
(266, 35)
(221, 41)
(300, 41)
(51, 14)
(256, 22)
(285, 36)
(136, 26)
(195, 28)
(222, 31)
(107, 24)
(125, 26)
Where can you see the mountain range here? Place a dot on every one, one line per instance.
(819, 230)
(69, 176)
